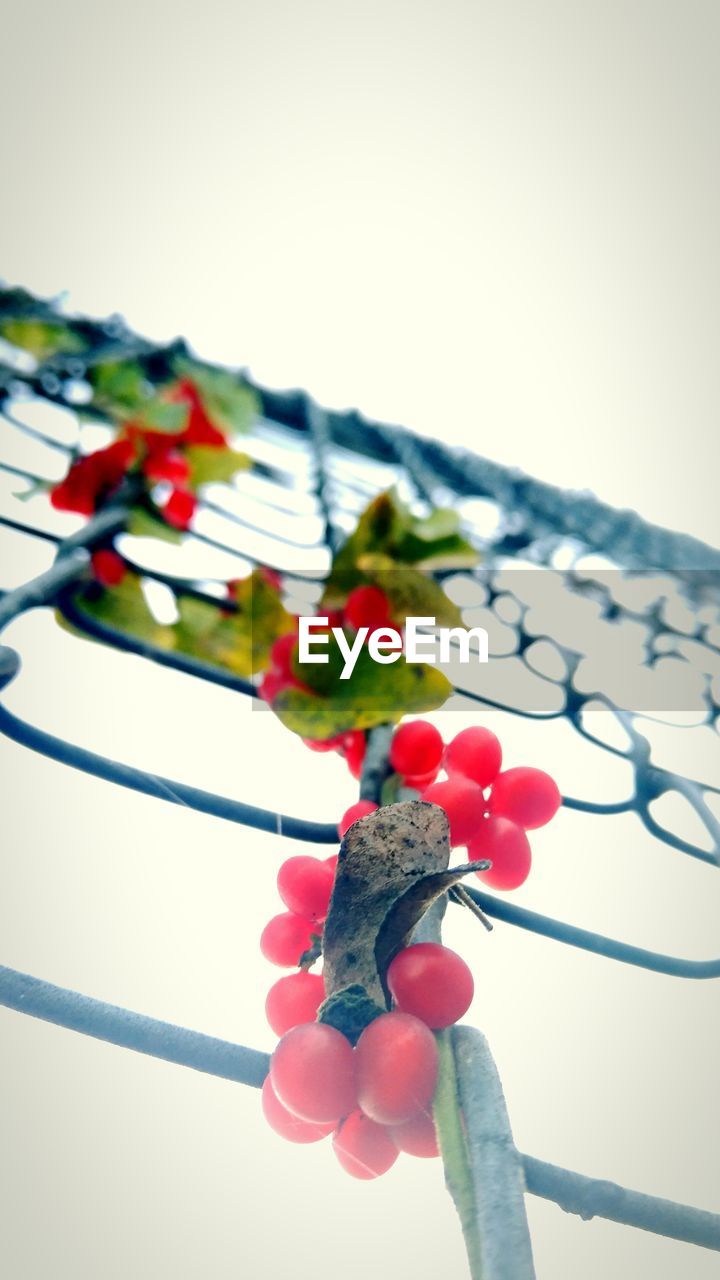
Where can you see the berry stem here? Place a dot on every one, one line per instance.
(496, 1171)
(454, 1152)
(461, 895)
(375, 767)
(448, 1121)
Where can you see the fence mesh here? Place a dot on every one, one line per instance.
(618, 586)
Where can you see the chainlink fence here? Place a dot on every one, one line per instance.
(633, 625)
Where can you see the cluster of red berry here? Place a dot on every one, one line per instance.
(375, 1098)
(489, 810)
(156, 454)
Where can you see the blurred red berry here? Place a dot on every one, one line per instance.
(275, 682)
(108, 567)
(281, 653)
(367, 607)
(305, 885)
(325, 744)
(286, 938)
(417, 1136)
(364, 1149)
(180, 508)
(167, 465)
(396, 1066)
(360, 809)
(421, 782)
(432, 982)
(271, 684)
(416, 748)
(70, 496)
(294, 999)
(527, 796)
(353, 749)
(283, 1122)
(474, 753)
(505, 844)
(464, 804)
(313, 1073)
(92, 478)
(199, 429)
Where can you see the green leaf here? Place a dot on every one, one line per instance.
(203, 632)
(122, 390)
(390, 789)
(442, 522)
(125, 607)
(241, 641)
(42, 338)
(228, 401)
(377, 530)
(387, 528)
(452, 552)
(143, 524)
(120, 386)
(373, 694)
(211, 463)
(164, 416)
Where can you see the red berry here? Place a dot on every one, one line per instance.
(294, 999)
(199, 428)
(305, 885)
(281, 653)
(432, 982)
(420, 781)
(108, 567)
(312, 1071)
(286, 938)
(417, 1136)
(67, 496)
(275, 682)
(360, 809)
(325, 744)
(353, 749)
(505, 844)
(285, 1123)
(474, 753)
(367, 607)
(271, 685)
(396, 1065)
(364, 1149)
(464, 804)
(529, 797)
(167, 464)
(92, 477)
(332, 862)
(180, 508)
(416, 748)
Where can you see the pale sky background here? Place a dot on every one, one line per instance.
(497, 224)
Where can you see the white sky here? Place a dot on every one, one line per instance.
(498, 225)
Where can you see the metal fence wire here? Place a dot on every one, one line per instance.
(318, 469)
